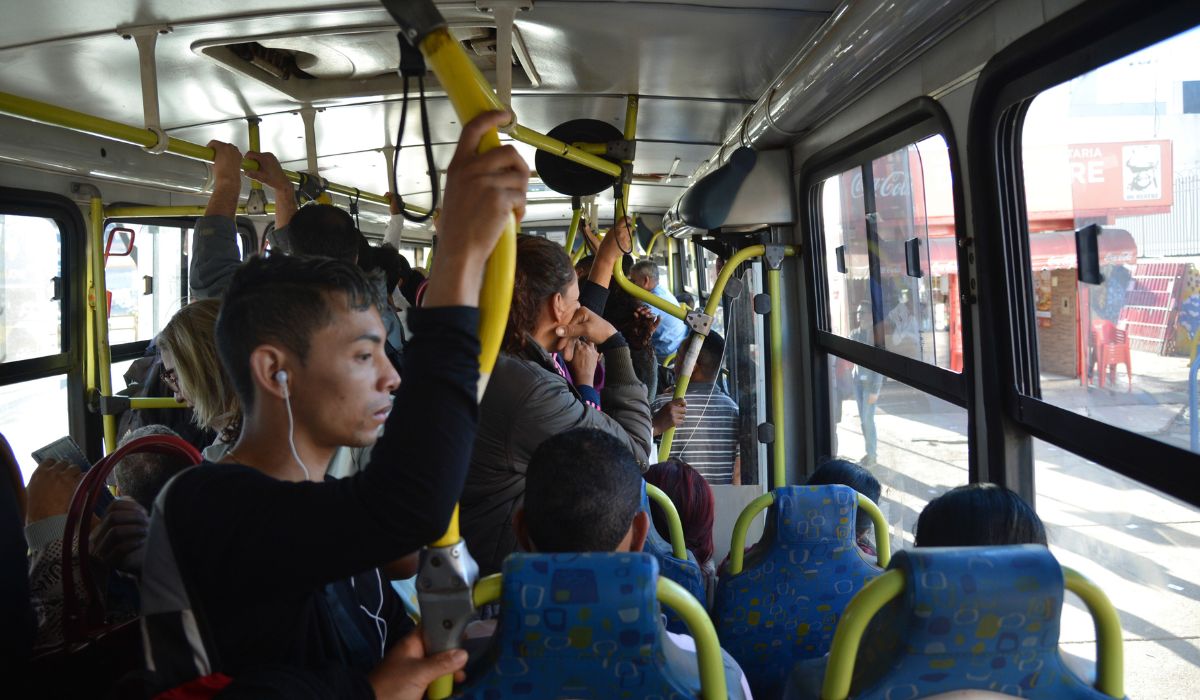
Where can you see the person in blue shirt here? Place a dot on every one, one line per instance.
(671, 331)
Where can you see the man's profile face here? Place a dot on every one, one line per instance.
(341, 394)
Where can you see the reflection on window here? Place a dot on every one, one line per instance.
(33, 414)
(30, 269)
(1143, 549)
(915, 444)
(891, 258)
(1116, 148)
(144, 275)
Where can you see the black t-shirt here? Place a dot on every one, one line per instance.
(258, 555)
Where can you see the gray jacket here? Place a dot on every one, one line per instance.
(526, 402)
(215, 257)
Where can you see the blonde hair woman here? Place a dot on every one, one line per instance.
(192, 370)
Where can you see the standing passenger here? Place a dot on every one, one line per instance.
(528, 399)
(671, 331)
(707, 438)
(867, 385)
(250, 564)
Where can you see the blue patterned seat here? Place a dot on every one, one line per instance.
(785, 604)
(970, 618)
(580, 626)
(685, 572)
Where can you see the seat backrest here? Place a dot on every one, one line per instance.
(685, 572)
(970, 618)
(581, 626)
(785, 604)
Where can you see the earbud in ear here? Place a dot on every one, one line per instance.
(281, 377)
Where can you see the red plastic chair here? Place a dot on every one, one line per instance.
(1113, 353)
(1103, 333)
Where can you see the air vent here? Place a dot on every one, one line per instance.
(349, 62)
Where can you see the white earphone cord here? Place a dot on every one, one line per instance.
(287, 402)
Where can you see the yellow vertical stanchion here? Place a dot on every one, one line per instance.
(576, 216)
(103, 363)
(471, 96)
(779, 446)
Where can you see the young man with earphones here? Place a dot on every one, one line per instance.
(253, 561)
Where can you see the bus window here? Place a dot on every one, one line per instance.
(30, 266)
(1142, 548)
(914, 444)
(1116, 150)
(891, 255)
(32, 413)
(148, 285)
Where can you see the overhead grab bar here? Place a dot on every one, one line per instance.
(32, 110)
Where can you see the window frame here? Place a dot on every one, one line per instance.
(916, 120)
(1077, 42)
(69, 361)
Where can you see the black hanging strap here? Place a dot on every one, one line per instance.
(412, 64)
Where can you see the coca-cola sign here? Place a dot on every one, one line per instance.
(895, 184)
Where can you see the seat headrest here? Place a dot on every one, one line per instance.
(998, 599)
(580, 605)
(815, 514)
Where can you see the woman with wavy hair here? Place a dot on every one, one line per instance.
(192, 370)
(531, 398)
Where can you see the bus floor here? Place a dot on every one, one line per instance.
(1140, 546)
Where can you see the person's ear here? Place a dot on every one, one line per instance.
(639, 531)
(558, 307)
(522, 530)
(266, 361)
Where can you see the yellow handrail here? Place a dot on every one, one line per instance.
(576, 215)
(146, 212)
(24, 108)
(100, 318)
(674, 524)
(1110, 652)
(775, 339)
(643, 295)
(697, 339)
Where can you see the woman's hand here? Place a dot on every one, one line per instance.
(586, 325)
(405, 672)
(583, 361)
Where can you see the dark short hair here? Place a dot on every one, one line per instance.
(847, 473)
(385, 258)
(324, 230)
(978, 515)
(711, 352)
(142, 475)
(283, 299)
(582, 490)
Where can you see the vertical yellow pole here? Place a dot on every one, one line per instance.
(779, 447)
(576, 215)
(671, 265)
(252, 137)
(103, 352)
(471, 96)
(631, 113)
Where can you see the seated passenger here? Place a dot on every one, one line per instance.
(265, 563)
(16, 615)
(583, 494)
(979, 515)
(117, 542)
(528, 399)
(671, 331)
(693, 498)
(192, 371)
(847, 473)
(707, 437)
(973, 515)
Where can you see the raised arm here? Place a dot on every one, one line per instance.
(214, 246)
(270, 173)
